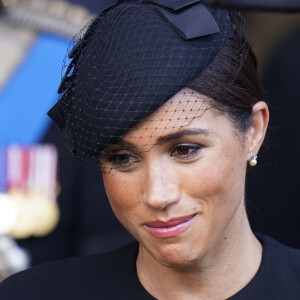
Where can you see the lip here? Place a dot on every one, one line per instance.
(170, 228)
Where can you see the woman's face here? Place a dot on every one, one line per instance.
(182, 199)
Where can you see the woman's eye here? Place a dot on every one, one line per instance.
(121, 160)
(186, 151)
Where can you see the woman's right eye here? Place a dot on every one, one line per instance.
(121, 160)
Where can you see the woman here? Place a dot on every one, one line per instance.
(163, 97)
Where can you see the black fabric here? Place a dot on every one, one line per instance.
(108, 276)
(113, 276)
(173, 4)
(184, 21)
(278, 277)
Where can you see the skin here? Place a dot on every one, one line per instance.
(200, 172)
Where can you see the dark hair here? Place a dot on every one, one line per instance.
(233, 92)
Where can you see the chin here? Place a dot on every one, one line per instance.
(175, 255)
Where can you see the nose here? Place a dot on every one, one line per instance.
(161, 187)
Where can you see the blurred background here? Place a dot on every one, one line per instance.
(53, 208)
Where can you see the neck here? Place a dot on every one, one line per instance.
(221, 273)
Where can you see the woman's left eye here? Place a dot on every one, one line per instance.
(186, 151)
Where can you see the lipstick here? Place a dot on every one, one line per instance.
(170, 228)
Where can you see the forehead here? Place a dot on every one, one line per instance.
(175, 115)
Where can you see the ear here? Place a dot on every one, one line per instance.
(258, 128)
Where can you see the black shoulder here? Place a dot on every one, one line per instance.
(278, 276)
(74, 278)
(286, 259)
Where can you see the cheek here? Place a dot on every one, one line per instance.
(216, 179)
(122, 195)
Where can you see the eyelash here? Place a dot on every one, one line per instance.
(115, 159)
(131, 159)
(196, 148)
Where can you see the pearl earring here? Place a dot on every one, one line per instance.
(253, 161)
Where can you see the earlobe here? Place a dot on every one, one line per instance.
(258, 128)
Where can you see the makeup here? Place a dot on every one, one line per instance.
(170, 228)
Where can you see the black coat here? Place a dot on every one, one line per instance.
(113, 276)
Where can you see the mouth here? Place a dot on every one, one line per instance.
(170, 228)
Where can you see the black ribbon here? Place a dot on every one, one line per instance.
(190, 18)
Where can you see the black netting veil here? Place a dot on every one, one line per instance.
(132, 64)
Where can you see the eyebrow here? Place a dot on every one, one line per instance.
(169, 137)
(187, 132)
